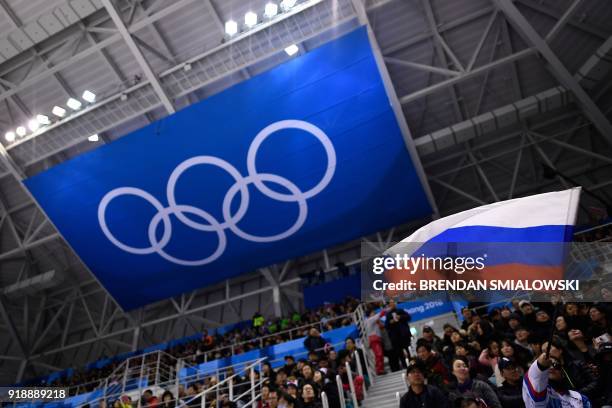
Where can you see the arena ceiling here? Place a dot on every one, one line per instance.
(492, 91)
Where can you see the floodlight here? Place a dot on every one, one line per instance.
(43, 119)
(33, 125)
(89, 96)
(270, 10)
(74, 104)
(292, 49)
(58, 111)
(287, 4)
(250, 19)
(231, 27)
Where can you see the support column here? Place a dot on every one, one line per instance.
(276, 298)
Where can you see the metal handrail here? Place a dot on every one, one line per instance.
(360, 370)
(340, 391)
(359, 318)
(324, 400)
(215, 387)
(261, 381)
(219, 371)
(351, 385)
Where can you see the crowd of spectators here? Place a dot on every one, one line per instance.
(299, 383)
(259, 332)
(267, 332)
(497, 358)
(502, 359)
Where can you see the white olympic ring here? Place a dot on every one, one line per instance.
(240, 186)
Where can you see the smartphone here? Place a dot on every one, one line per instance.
(604, 338)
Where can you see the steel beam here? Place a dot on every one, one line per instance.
(12, 329)
(153, 322)
(422, 67)
(562, 21)
(517, 165)
(482, 40)
(441, 50)
(585, 152)
(173, 7)
(467, 75)
(142, 62)
(529, 34)
(592, 29)
(483, 176)
(458, 191)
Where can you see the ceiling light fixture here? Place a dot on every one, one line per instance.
(58, 111)
(286, 5)
(43, 119)
(231, 27)
(292, 50)
(250, 19)
(74, 104)
(33, 125)
(270, 10)
(89, 96)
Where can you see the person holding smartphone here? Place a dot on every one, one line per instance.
(547, 385)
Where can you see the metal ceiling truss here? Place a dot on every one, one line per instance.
(54, 329)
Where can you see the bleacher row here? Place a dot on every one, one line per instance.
(188, 374)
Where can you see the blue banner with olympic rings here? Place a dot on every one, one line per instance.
(304, 156)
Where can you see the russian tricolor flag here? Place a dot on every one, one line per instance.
(522, 238)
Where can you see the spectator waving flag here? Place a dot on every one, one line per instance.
(519, 238)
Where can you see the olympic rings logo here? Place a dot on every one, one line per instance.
(206, 222)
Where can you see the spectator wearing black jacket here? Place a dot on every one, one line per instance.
(601, 321)
(468, 315)
(510, 393)
(326, 382)
(543, 325)
(604, 363)
(578, 347)
(419, 394)
(573, 317)
(350, 345)
(481, 331)
(290, 367)
(308, 398)
(464, 385)
(315, 342)
(528, 312)
(397, 327)
(501, 325)
(430, 337)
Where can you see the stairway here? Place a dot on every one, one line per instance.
(382, 393)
